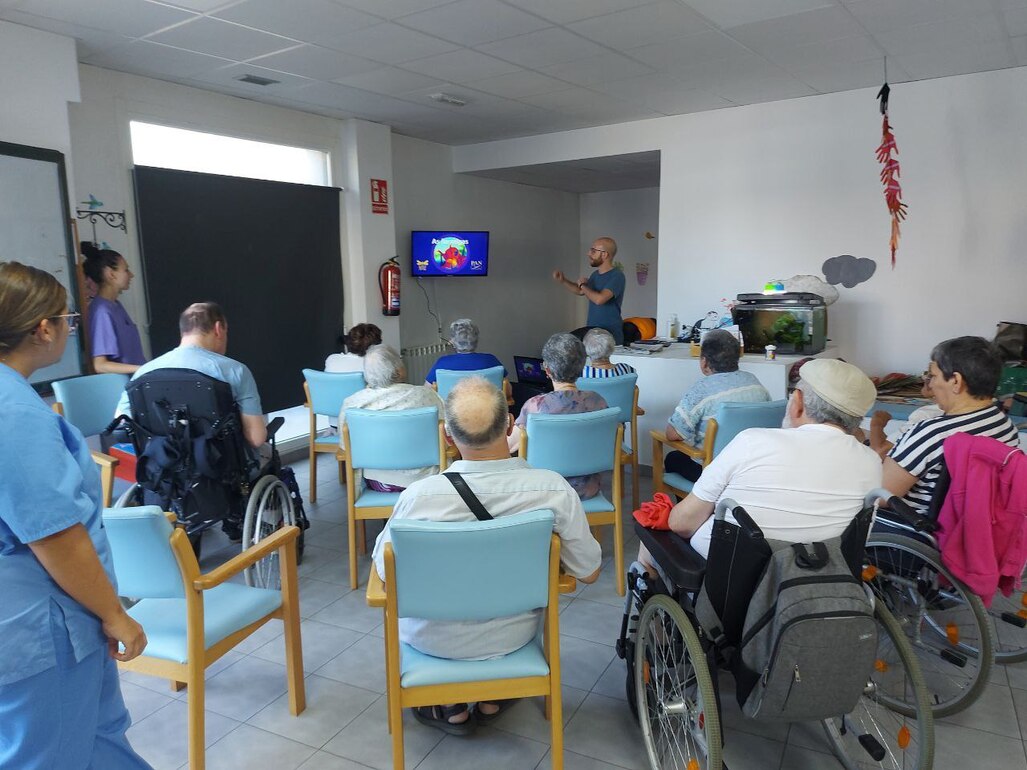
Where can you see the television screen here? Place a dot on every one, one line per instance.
(449, 252)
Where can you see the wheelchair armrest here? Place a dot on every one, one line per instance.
(285, 537)
(274, 425)
(676, 557)
(901, 513)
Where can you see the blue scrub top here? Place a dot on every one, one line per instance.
(48, 483)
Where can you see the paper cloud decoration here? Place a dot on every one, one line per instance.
(848, 270)
(813, 285)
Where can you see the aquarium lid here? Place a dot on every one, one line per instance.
(803, 298)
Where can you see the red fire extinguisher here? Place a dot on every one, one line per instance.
(388, 285)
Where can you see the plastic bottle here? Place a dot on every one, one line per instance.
(673, 329)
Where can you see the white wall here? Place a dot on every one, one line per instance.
(771, 190)
(532, 231)
(626, 216)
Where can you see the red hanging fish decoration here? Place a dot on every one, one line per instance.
(890, 172)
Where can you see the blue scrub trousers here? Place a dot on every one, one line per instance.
(69, 717)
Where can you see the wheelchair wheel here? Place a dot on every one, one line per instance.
(268, 510)
(676, 702)
(946, 624)
(130, 497)
(1010, 616)
(873, 734)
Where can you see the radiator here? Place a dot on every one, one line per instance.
(419, 360)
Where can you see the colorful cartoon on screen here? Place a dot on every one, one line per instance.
(450, 254)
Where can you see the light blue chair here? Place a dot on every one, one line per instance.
(445, 379)
(508, 566)
(192, 619)
(400, 439)
(728, 421)
(325, 392)
(88, 403)
(622, 392)
(580, 445)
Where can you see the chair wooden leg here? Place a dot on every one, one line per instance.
(313, 472)
(635, 500)
(196, 737)
(352, 524)
(554, 713)
(342, 472)
(291, 622)
(361, 537)
(658, 468)
(618, 555)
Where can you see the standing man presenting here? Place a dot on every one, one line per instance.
(604, 290)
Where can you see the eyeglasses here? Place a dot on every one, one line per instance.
(73, 319)
(594, 250)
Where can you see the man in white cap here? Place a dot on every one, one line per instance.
(800, 485)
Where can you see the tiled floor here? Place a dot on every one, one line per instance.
(249, 725)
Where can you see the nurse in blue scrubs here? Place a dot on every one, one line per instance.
(61, 624)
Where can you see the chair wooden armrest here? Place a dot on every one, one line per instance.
(694, 452)
(375, 589)
(639, 411)
(105, 460)
(567, 584)
(283, 537)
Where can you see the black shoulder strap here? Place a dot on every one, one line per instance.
(468, 496)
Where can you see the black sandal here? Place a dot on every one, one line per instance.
(503, 705)
(438, 716)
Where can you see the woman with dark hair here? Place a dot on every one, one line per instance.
(113, 338)
(354, 344)
(62, 625)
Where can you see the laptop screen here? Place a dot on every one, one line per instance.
(529, 369)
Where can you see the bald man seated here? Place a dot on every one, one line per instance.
(478, 423)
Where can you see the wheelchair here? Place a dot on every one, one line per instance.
(674, 662)
(193, 461)
(950, 629)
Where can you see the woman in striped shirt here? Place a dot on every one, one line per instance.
(962, 378)
(599, 345)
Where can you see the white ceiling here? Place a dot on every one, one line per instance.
(614, 172)
(533, 66)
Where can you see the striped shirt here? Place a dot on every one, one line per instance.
(919, 449)
(597, 372)
(700, 401)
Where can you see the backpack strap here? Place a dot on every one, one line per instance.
(468, 496)
(806, 560)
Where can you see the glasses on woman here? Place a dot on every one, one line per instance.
(72, 318)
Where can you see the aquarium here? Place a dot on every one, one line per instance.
(795, 322)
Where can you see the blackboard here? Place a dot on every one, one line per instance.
(267, 252)
(35, 229)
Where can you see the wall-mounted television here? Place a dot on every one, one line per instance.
(449, 252)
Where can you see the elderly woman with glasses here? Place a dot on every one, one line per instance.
(463, 336)
(62, 625)
(563, 358)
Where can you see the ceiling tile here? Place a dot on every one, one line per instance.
(391, 44)
(647, 25)
(743, 90)
(312, 21)
(461, 66)
(313, 61)
(89, 41)
(678, 54)
(564, 11)
(131, 18)
(881, 15)
(229, 76)
(798, 29)
(146, 58)
(388, 80)
(937, 37)
(958, 60)
(571, 100)
(731, 13)
(828, 77)
(222, 38)
(392, 9)
(1020, 50)
(597, 69)
(517, 84)
(356, 102)
(712, 74)
(473, 22)
(543, 48)
(201, 6)
(846, 49)
(1016, 21)
(687, 100)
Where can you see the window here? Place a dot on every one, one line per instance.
(184, 150)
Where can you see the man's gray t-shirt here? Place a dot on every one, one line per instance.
(607, 316)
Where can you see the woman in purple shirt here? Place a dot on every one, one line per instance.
(113, 337)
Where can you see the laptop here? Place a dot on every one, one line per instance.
(529, 369)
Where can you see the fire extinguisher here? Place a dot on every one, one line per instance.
(388, 285)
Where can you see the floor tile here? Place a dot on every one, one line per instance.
(527, 718)
(315, 557)
(744, 751)
(603, 728)
(797, 758)
(331, 706)
(572, 761)
(322, 760)
(809, 735)
(959, 748)
(362, 665)
(992, 712)
(336, 571)
(604, 590)
(163, 686)
(142, 701)
(248, 748)
(242, 690)
(583, 662)
(270, 630)
(1020, 703)
(1017, 675)
(351, 611)
(613, 682)
(321, 643)
(494, 749)
(161, 738)
(316, 594)
(592, 621)
(366, 739)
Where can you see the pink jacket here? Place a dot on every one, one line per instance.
(983, 535)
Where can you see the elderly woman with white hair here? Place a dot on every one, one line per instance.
(384, 374)
(599, 345)
(463, 336)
